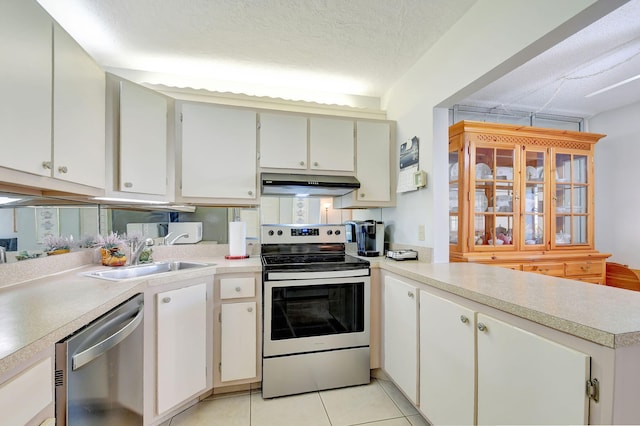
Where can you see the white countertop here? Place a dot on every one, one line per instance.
(605, 315)
(35, 314)
(39, 312)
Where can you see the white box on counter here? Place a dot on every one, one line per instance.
(194, 229)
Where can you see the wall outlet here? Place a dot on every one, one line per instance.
(421, 236)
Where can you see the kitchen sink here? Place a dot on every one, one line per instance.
(144, 270)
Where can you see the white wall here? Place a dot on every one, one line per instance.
(617, 173)
(492, 38)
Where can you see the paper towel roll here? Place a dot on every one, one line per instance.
(237, 237)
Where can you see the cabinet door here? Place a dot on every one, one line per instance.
(78, 113)
(572, 218)
(372, 161)
(331, 144)
(25, 85)
(283, 141)
(218, 152)
(526, 379)
(238, 345)
(181, 344)
(447, 361)
(401, 335)
(494, 196)
(27, 394)
(143, 140)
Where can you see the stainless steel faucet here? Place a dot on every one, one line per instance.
(136, 250)
(171, 242)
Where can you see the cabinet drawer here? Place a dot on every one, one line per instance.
(592, 280)
(514, 266)
(584, 268)
(554, 269)
(233, 288)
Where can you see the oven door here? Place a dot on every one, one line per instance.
(316, 315)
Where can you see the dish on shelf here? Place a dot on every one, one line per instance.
(483, 171)
(453, 171)
(504, 173)
(498, 242)
(481, 202)
(532, 173)
(530, 242)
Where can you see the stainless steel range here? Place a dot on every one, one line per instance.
(316, 310)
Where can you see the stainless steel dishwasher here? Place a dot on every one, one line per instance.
(99, 370)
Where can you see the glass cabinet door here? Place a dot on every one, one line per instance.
(571, 199)
(454, 207)
(533, 205)
(494, 197)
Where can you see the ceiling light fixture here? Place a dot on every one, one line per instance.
(613, 86)
(8, 200)
(128, 200)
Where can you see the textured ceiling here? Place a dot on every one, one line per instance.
(359, 47)
(304, 49)
(558, 81)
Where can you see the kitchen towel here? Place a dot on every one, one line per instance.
(237, 237)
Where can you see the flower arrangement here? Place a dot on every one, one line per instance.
(57, 244)
(111, 248)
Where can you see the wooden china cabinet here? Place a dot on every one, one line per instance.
(522, 197)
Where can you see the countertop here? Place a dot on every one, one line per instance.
(604, 315)
(35, 314)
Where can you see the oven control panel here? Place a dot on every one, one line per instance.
(300, 234)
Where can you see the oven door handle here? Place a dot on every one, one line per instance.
(88, 355)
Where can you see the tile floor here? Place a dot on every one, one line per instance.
(379, 403)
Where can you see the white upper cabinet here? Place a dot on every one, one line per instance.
(78, 113)
(283, 141)
(143, 140)
(218, 152)
(331, 144)
(25, 86)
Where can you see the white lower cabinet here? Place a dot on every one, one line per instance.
(181, 327)
(237, 333)
(25, 396)
(400, 339)
(477, 369)
(238, 341)
(447, 361)
(524, 378)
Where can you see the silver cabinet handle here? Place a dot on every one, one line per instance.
(464, 319)
(128, 185)
(46, 165)
(249, 309)
(63, 169)
(410, 294)
(482, 327)
(315, 163)
(362, 195)
(302, 163)
(166, 299)
(250, 192)
(238, 289)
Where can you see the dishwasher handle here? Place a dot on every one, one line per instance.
(103, 346)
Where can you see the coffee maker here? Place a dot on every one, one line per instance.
(368, 236)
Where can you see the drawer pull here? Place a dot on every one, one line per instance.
(166, 299)
(238, 289)
(464, 319)
(482, 327)
(249, 309)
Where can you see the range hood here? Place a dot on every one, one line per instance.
(311, 185)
